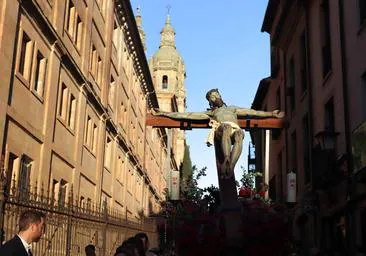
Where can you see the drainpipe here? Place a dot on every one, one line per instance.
(267, 135)
(351, 229)
(287, 117)
(309, 84)
(310, 107)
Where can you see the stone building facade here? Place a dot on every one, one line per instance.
(74, 91)
(318, 78)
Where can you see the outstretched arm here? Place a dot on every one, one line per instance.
(182, 116)
(258, 113)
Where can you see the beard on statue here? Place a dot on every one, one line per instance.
(217, 103)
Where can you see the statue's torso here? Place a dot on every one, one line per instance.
(225, 114)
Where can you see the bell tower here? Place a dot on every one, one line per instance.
(168, 72)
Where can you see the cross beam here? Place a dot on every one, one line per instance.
(166, 122)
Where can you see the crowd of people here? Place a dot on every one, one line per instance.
(137, 245)
(32, 226)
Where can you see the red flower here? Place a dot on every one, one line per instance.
(245, 192)
(262, 193)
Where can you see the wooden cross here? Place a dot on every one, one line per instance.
(230, 205)
(166, 122)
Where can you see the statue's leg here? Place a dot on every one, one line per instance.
(226, 147)
(237, 137)
(218, 152)
(229, 205)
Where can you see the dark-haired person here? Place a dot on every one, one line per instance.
(144, 239)
(31, 228)
(90, 250)
(130, 247)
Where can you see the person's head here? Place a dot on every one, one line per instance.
(120, 251)
(32, 225)
(90, 250)
(132, 246)
(214, 98)
(145, 240)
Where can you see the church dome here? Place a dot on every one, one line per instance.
(168, 69)
(167, 54)
(167, 51)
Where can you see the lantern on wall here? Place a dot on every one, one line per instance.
(175, 186)
(291, 187)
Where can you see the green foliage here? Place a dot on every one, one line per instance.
(248, 178)
(212, 197)
(186, 167)
(190, 189)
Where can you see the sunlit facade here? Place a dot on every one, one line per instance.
(75, 88)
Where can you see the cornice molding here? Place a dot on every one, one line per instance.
(290, 16)
(134, 44)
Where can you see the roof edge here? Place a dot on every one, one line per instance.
(261, 93)
(269, 15)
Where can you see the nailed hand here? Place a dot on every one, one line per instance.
(155, 111)
(278, 114)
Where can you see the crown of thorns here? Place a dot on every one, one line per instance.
(210, 92)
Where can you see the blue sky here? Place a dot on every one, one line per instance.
(222, 47)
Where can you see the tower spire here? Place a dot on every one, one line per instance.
(139, 26)
(167, 33)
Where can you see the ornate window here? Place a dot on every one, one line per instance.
(26, 52)
(111, 92)
(91, 135)
(67, 107)
(59, 192)
(40, 74)
(108, 153)
(24, 177)
(74, 26)
(165, 82)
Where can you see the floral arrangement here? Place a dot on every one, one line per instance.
(247, 191)
(198, 232)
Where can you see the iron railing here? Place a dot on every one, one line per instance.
(71, 225)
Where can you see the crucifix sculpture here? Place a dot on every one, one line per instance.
(226, 134)
(227, 137)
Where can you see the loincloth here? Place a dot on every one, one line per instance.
(214, 125)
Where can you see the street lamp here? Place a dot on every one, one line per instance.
(324, 159)
(326, 139)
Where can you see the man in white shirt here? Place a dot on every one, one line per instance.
(31, 228)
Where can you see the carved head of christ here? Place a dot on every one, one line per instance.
(214, 98)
